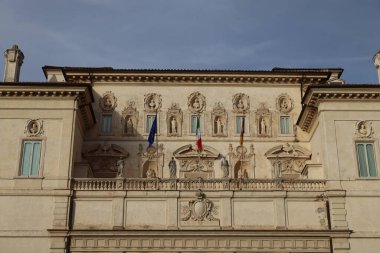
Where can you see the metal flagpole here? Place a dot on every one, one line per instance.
(157, 140)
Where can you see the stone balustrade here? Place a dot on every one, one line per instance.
(144, 184)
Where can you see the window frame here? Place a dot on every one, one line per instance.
(146, 133)
(374, 144)
(201, 122)
(291, 126)
(101, 124)
(39, 175)
(246, 122)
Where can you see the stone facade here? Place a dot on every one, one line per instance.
(77, 173)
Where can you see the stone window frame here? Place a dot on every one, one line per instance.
(376, 149)
(101, 124)
(290, 126)
(247, 129)
(202, 124)
(145, 122)
(42, 140)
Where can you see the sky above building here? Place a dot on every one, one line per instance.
(194, 34)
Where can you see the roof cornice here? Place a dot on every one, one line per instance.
(276, 76)
(83, 94)
(316, 94)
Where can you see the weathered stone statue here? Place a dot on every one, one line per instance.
(224, 165)
(173, 168)
(120, 167)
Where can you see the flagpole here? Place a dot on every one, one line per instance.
(157, 141)
(242, 146)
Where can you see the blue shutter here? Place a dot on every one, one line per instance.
(284, 125)
(239, 120)
(149, 122)
(106, 124)
(362, 160)
(371, 160)
(194, 124)
(26, 158)
(35, 159)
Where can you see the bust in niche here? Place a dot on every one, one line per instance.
(196, 104)
(129, 126)
(240, 104)
(152, 104)
(284, 104)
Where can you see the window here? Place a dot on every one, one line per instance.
(106, 127)
(239, 124)
(193, 127)
(31, 154)
(149, 123)
(285, 125)
(366, 160)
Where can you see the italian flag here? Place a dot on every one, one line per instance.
(199, 137)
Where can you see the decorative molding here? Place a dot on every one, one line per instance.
(242, 162)
(219, 119)
(363, 129)
(196, 102)
(263, 121)
(103, 159)
(152, 102)
(130, 117)
(200, 210)
(240, 103)
(287, 160)
(108, 102)
(151, 161)
(284, 103)
(174, 120)
(34, 128)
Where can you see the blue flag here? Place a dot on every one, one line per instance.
(152, 132)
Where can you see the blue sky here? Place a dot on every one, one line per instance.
(194, 34)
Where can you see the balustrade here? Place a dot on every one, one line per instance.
(144, 184)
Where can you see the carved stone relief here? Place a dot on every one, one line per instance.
(242, 162)
(174, 120)
(129, 119)
(287, 160)
(151, 161)
(240, 103)
(105, 160)
(200, 210)
(108, 102)
(263, 121)
(363, 129)
(196, 102)
(152, 102)
(192, 165)
(284, 103)
(34, 128)
(219, 120)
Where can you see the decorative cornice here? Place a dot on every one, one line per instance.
(83, 94)
(317, 94)
(289, 78)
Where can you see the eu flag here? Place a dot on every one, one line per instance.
(152, 132)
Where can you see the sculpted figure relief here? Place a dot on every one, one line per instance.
(173, 168)
(240, 103)
(224, 165)
(108, 102)
(363, 129)
(34, 127)
(120, 167)
(152, 102)
(174, 120)
(284, 103)
(129, 119)
(196, 102)
(219, 119)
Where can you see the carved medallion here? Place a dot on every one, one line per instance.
(108, 102)
(240, 103)
(199, 210)
(284, 103)
(363, 129)
(130, 119)
(34, 128)
(196, 102)
(152, 102)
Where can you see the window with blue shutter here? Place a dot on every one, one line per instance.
(285, 125)
(31, 156)
(366, 160)
(106, 127)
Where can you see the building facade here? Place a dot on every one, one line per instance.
(289, 162)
